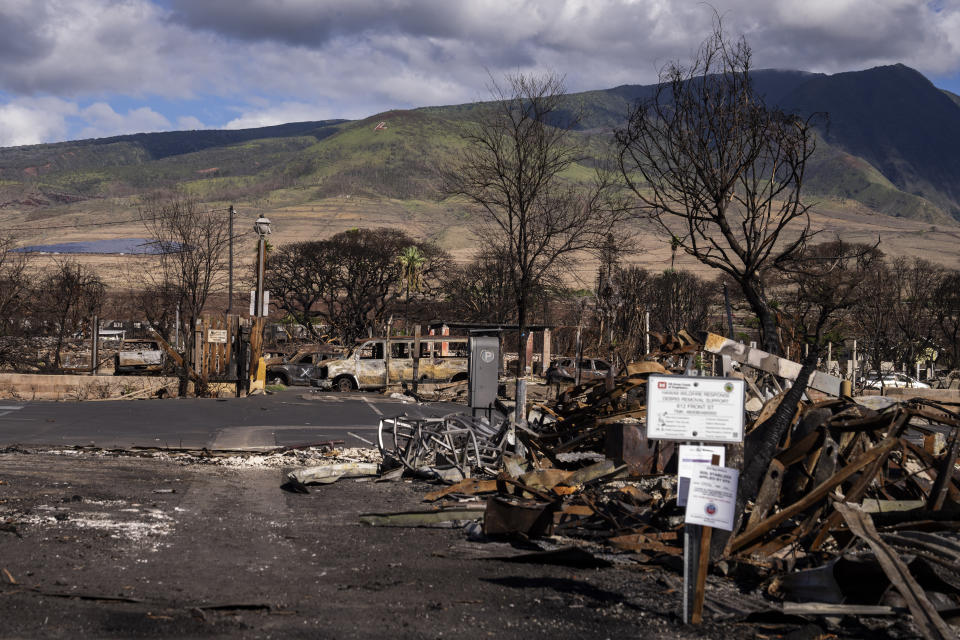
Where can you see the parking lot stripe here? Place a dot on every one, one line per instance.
(371, 405)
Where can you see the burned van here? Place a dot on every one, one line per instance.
(378, 362)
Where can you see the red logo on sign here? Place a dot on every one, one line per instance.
(661, 385)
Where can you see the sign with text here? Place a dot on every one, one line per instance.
(712, 500)
(217, 335)
(687, 460)
(695, 408)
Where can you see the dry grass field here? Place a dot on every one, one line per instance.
(446, 224)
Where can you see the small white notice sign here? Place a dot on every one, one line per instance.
(712, 500)
(687, 460)
(695, 408)
(217, 335)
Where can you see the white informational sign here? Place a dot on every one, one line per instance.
(712, 500)
(217, 335)
(266, 302)
(687, 460)
(695, 408)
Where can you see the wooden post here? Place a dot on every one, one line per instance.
(853, 375)
(256, 345)
(703, 562)
(416, 358)
(699, 589)
(386, 352)
(95, 344)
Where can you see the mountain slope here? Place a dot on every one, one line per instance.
(891, 135)
(896, 120)
(888, 144)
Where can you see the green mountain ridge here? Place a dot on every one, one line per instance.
(888, 144)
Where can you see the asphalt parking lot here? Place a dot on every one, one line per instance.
(118, 547)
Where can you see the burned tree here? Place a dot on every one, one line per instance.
(299, 277)
(13, 286)
(946, 313)
(368, 277)
(912, 307)
(67, 297)
(719, 171)
(872, 321)
(191, 245)
(350, 280)
(679, 300)
(479, 292)
(514, 170)
(825, 281)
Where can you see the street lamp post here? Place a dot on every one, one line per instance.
(262, 227)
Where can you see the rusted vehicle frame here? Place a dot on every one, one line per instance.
(380, 361)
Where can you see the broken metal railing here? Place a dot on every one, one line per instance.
(456, 440)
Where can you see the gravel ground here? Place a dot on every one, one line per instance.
(99, 546)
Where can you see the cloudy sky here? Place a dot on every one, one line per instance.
(91, 68)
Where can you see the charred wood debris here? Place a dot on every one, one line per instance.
(857, 517)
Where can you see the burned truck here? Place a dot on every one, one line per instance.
(377, 362)
(139, 357)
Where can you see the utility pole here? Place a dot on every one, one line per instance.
(262, 227)
(230, 268)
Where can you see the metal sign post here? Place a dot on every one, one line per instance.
(698, 409)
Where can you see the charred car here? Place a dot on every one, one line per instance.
(302, 366)
(138, 357)
(378, 362)
(564, 370)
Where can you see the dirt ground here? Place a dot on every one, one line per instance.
(110, 547)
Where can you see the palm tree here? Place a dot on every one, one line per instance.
(411, 272)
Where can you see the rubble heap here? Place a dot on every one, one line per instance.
(859, 512)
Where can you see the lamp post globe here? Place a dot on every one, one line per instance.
(262, 226)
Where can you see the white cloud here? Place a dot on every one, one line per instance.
(278, 114)
(284, 60)
(189, 123)
(34, 120)
(102, 121)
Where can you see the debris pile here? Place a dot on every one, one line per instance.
(859, 512)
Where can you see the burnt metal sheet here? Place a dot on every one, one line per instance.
(505, 516)
(768, 362)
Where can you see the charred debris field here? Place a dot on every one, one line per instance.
(447, 528)
(115, 546)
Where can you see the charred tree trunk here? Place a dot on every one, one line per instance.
(765, 314)
(188, 353)
(762, 444)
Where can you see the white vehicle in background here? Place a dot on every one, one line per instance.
(139, 357)
(894, 380)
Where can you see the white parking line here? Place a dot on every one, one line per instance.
(371, 405)
(8, 408)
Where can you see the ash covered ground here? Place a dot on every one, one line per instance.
(114, 546)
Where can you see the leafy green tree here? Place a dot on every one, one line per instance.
(411, 261)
